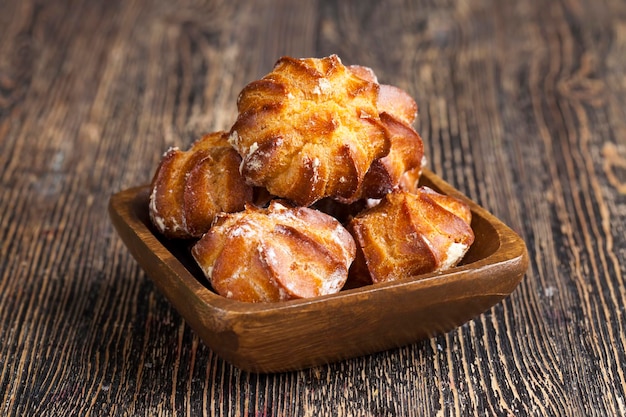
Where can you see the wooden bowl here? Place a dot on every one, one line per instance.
(296, 334)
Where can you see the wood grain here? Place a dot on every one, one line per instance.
(522, 106)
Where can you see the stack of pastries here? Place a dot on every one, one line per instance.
(314, 187)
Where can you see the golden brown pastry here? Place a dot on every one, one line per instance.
(312, 132)
(398, 103)
(273, 254)
(309, 129)
(402, 166)
(190, 187)
(406, 154)
(391, 99)
(410, 234)
(409, 181)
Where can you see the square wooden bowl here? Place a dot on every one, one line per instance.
(276, 337)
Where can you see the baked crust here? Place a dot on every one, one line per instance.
(190, 188)
(406, 154)
(340, 147)
(309, 129)
(391, 99)
(402, 166)
(409, 234)
(275, 254)
(398, 103)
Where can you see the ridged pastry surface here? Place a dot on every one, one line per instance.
(309, 129)
(406, 155)
(391, 99)
(402, 166)
(274, 254)
(409, 234)
(191, 187)
(314, 187)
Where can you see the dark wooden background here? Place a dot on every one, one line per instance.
(522, 107)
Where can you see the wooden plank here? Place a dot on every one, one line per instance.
(522, 107)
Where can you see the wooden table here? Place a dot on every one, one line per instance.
(522, 108)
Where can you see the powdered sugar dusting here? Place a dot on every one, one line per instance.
(270, 255)
(234, 139)
(256, 159)
(242, 230)
(208, 271)
(158, 220)
(252, 149)
(276, 205)
(455, 252)
(337, 235)
(171, 149)
(289, 284)
(282, 214)
(253, 162)
(315, 165)
(373, 202)
(324, 85)
(334, 282)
